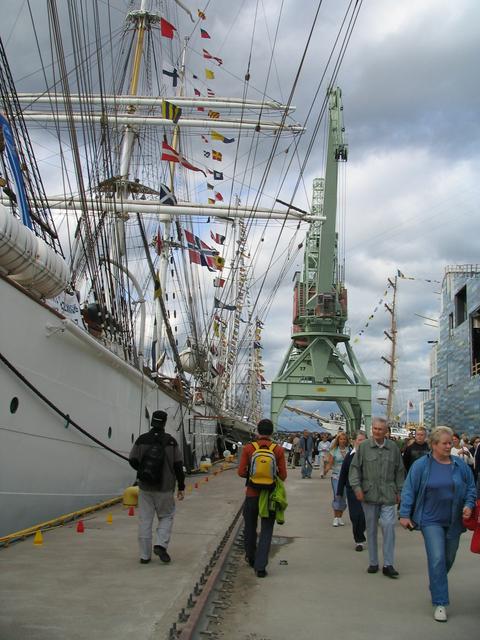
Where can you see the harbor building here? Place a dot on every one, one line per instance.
(453, 398)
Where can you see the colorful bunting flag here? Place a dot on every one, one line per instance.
(158, 242)
(166, 29)
(171, 111)
(171, 74)
(205, 139)
(218, 304)
(211, 201)
(196, 92)
(216, 155)
(219, 262)
(199, 252)
(201, 15)
(204, 34)
(216, 237)
(200, 108)
(157, 289)
(219, 282)
(214, 115)
(209, 75)
(218, 136)
(171, 155)
(209, 56)
(218, 175)
(210, 93)
(218, 196)
(210, 186)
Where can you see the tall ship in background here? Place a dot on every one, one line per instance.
(132, 255)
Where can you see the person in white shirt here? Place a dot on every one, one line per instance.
(460, 450)
(323, 449)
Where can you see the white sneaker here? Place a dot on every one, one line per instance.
(336, 522)
(440, 614)
(341, 522)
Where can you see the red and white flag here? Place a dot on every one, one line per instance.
(171, 155)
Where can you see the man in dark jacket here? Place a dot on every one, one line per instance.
(355, 510)
(306, 454)
(158, 461)
(417, 449)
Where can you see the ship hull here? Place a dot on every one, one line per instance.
(47, 467)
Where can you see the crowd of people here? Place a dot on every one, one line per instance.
(429, 484)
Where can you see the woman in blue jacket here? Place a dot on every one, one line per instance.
(439, 490)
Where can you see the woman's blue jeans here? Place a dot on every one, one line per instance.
(441, 548)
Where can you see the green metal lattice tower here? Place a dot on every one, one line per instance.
(320, 363)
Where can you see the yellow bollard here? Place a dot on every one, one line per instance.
(38, 539)
(109, 518)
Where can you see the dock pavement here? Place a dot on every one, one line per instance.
(90, 586)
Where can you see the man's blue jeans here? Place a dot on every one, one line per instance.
(306, 462)
(441, 550)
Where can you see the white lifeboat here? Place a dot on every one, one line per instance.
(193, 359)
(28, 260)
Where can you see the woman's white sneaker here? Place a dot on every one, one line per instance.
(440, 614)
(341, 522)
(335, 522)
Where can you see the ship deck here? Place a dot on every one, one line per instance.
(91, 586)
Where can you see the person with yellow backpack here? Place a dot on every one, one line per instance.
(262, 462)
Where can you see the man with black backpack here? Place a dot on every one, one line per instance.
(158, 461)
(261, 462)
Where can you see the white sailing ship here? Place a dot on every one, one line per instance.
(132, 287)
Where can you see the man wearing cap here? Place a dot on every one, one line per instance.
(156, 494)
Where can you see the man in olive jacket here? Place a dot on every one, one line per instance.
(376, 476)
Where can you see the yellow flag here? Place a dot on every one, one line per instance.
(219, 262)
(171, 111)
(216, 136)
(209, 75)
(157, 289)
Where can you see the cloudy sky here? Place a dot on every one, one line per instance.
(410, 189)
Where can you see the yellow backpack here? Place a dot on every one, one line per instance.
(263, 467)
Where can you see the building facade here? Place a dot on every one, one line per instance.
(454, 395)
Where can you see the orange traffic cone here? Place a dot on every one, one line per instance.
(38, 539)
(80, 527)
(109, 518)
(131, 511)
(196, 485)
(206, 479)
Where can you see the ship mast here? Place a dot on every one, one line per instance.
(392, 359)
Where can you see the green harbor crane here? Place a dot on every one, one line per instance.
(320, 363)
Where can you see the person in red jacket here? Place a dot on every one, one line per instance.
(257, 554)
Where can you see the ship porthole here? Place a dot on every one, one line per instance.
(109, 432)
(133, 437)
(14, 405)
